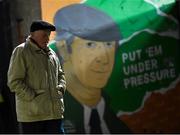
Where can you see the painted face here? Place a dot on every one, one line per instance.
(42, 37)
(92, 61)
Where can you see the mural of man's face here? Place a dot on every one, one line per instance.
(92, 61)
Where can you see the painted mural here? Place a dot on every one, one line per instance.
(121, 63)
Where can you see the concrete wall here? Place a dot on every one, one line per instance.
(23, 12)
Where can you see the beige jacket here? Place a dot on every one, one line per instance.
(38, 81)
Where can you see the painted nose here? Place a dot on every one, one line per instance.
(102, 57)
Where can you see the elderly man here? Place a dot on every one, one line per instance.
(36, 77)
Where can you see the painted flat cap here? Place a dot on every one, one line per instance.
(41, 25)
(85, 22)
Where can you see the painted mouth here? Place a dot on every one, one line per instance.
(99, 71)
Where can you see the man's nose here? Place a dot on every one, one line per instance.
(47, 38)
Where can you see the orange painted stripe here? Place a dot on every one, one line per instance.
(49, 8)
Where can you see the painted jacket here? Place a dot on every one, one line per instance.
(36, 77)
(74, 122)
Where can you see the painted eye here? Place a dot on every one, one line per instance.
(108, 44)
(91, 44)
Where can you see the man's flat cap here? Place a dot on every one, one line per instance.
(41, 25)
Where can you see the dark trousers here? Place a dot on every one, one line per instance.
(42, 127)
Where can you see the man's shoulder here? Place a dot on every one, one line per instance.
(19, 47)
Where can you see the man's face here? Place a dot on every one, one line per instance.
(41, 37)
(92, 61)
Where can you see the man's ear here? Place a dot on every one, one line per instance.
(62, 49)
